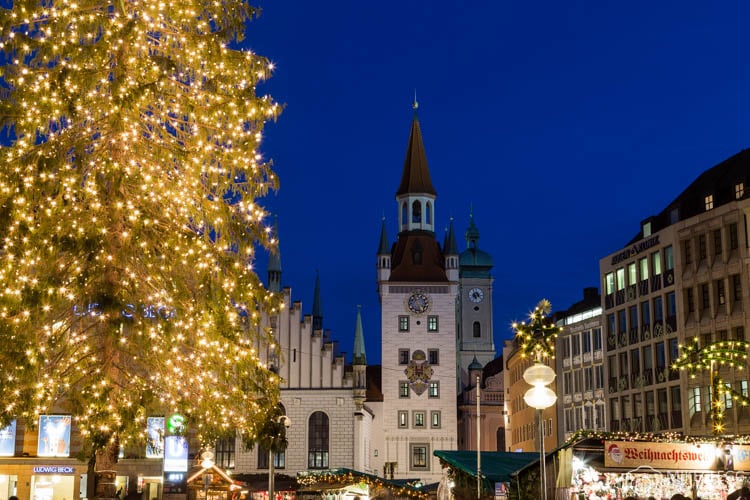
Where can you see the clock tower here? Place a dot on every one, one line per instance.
(418, 288)
(475, 334)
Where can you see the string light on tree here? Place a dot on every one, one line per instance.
(133, 178)
(711, 358)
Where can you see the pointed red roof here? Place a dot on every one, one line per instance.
(416, 175)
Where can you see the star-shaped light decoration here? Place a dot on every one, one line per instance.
(712, 356)
(537, 337)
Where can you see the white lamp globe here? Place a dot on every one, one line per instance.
(540, 397)
(539, 374)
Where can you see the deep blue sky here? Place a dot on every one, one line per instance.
(562, 124)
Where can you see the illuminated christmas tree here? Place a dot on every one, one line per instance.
(129, 221)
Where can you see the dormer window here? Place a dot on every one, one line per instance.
(646, 229)
(709, 202)
(674, 216)
(739, 190)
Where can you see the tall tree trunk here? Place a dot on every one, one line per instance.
(105, 472)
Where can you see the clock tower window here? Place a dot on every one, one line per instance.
(432, 323)
(416, 212)
(403, 323)
(477, 328)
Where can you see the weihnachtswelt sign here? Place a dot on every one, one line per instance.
(677, 456)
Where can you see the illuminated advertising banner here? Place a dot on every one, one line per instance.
(8, 440)
(677, 456)
(175, 454)
(54, 436)
(155, 444)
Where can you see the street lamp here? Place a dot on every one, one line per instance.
(283, 419)
(540, 397)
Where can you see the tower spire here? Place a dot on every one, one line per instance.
(274, 262)
(359, 357)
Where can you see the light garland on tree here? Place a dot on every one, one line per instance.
(131, 186)
(711, 357)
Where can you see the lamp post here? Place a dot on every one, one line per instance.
(540, 397)
(283, 419)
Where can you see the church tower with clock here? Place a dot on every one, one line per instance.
(418, 283)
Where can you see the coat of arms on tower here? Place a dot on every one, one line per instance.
(418, 372)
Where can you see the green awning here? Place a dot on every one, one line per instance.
(496, 466)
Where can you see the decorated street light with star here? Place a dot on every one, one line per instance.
(537, 337)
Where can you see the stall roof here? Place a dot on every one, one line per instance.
(496, 466)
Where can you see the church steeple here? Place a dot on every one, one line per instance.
(384, 255)
(415, 194)
(274, 262)
(317, 311)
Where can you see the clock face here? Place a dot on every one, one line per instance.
(418, 302)
(476, 295)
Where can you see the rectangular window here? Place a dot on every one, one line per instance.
(433, 356)
(611, 324)
(632, 274)
(597, 334)
(599, 379)
(739, 333)
(694, 400)
(671, 305)
(656, 262)
(403, 356)
(739, 190)
(588, 379)
(709, 202)
(690, 300)
(224, 453)
(586, 341)
(567, 383)
(621, 278)
(434, 389)
(609, 283)
(403, 389)
(419, 456)
(744, 388)
(736, 287)
(403, 419)
(403, 323)
(658, 310)
(702, 250)
(687, 252)
(676, 402)
(734, 241)
(432, 323)
(576, 345)
(717, 242)
(722, 335)
(622, 325)
(668, 258)
(720, 296)
(644, 268)
(565, 347)
(418, 419)
(435, 419)
(705, 297)
(645, 315)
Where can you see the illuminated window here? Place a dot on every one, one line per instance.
(419, 454)
(403, 323)
(709, 202)
(434, 389)
(739, 190)
(435, 419)
(403, 389)
(403, 419)
(432, 323)
(419, 419)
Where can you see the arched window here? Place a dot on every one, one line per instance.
(416, 212)
(404, 216)
(317, 443)
(428, 214)
(477, 329)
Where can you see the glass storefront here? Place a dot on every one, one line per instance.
(52, 487)
(8, 486)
